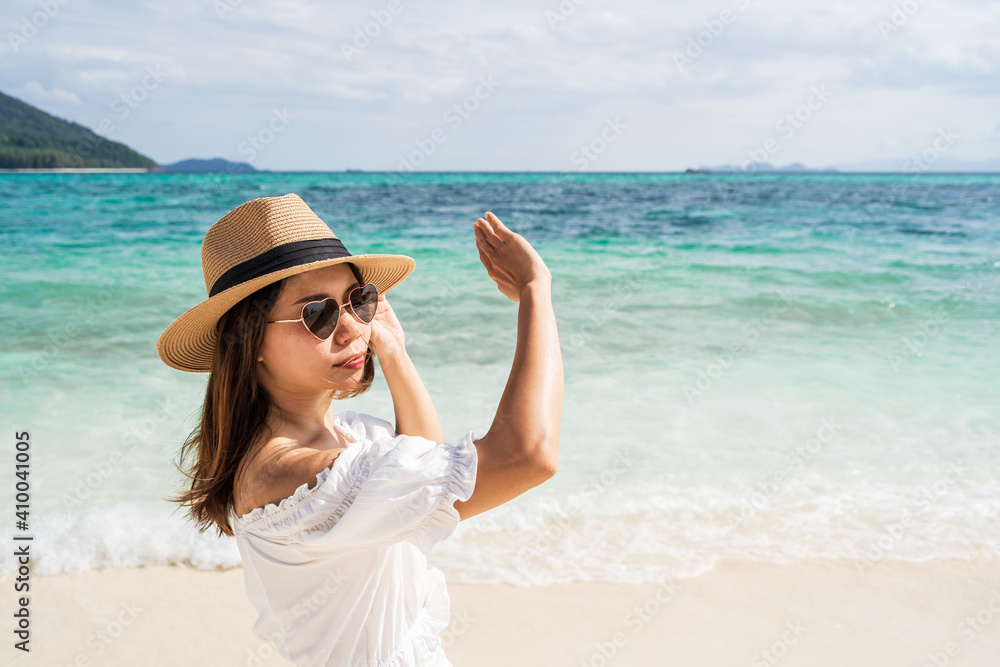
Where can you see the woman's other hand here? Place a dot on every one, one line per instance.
(387, 337)
(509, 259)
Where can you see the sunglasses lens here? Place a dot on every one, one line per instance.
(321, 317)
(364, 302)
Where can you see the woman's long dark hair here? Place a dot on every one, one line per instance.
(233, 417)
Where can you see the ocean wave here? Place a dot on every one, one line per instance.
(644, 534)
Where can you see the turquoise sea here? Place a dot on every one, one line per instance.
(756, 367)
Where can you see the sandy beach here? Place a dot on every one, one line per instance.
(812, 613)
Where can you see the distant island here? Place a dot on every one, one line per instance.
(913, 165)
(211, 165)
(760, 167)
(33, 139)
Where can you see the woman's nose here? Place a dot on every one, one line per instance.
(348, 326)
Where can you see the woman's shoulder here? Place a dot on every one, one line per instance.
(283, 470)
(279, 474)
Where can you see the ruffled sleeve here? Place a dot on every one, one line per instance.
(397, 488)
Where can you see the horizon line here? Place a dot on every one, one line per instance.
(778, 172)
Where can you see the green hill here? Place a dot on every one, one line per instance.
(33, 139)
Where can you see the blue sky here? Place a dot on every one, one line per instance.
(573, 85)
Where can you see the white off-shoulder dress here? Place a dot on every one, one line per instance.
(338, 572)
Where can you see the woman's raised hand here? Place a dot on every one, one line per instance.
(509, 259)
(387, 337)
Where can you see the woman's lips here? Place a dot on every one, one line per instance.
(354, 363)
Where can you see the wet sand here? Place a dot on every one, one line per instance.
(808, 613)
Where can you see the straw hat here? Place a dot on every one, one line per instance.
(256, 244)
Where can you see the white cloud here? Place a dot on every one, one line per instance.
(37, 95)
(558, 83)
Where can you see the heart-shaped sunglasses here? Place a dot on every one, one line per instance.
(321, 317)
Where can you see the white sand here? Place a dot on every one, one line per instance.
(814, 613)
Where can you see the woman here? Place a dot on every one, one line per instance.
(335, 513)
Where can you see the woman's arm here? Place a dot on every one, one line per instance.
(521, 449)
(415, 411)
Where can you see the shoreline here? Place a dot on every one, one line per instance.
(83, 170)
(738, 172)
(810, 612)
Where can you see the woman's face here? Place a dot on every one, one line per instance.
(291, 358)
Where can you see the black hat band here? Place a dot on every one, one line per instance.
(280, 257)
